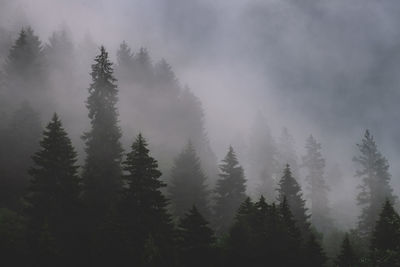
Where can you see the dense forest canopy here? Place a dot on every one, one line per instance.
(199, 133)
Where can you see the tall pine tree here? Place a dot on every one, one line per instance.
(318, 189)
(102, 170)
(230, 191)
(375, 187)
(290, 189)
(53, 199)
(143, 208)
(188, 184)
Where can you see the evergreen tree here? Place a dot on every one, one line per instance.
(145, 70)
(195, 240)
(263, 164)
(347, 256)
(143, 208)
(25, 72)
(375, 187)
(125, 60)
(187, 186)
(290, 189)
(318, 190)
(230, 191)
(191, 126)
(59, 50)
(102, 171)
(314, 254)
(53, 203)
(385, 242)
(166, 81)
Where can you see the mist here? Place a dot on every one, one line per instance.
(322, 68)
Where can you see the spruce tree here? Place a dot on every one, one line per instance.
(347, 256)
(143, 208)
(375, 187)
(230, 191)
(102, 171)
(318, 189)
(290, 189)
(53, 199)
(188, 184)
(125, 60)
(195, 240)
(25, 72)
(385, 242)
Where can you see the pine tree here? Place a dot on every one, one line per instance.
(102, 171)
(195, 240)
(347, 256)
(290, 189)
(314, 254)
(375, 187)
(25, 72)
(53, 199)
(230, 191)
(145, 70)
(143, 208)
(263, 164)
(318, 189)
(191, 126)
(126, 64)
(187, 186)
(385, 242)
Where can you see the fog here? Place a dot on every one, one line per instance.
(327, 68)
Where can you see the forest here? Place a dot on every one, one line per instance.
(107, 158)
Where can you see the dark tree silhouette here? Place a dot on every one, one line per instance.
(230, 191)
(102, 171)
(188, 184)
(290, 189)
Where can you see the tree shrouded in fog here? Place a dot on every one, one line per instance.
(102, 170)
(230, 191)
(263, 162)
(318, 189)
(290, 189)
(143, 208)
(375, 183)
(188, 184)
(53, 198)
(25, 71)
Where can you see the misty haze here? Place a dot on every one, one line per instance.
(185, 133)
